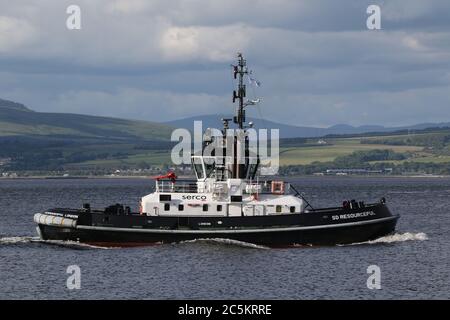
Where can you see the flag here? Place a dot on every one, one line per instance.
(254, 81)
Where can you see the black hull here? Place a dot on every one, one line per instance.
(329, 236)
(321, 227)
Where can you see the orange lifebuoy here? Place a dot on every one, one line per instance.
(277, 187)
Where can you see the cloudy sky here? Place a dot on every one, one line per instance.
(161, 60)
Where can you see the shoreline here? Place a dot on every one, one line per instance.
(193, 177)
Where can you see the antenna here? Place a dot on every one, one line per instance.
(225, 125)
(240, 70)
(240, 148)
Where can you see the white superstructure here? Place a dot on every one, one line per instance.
(227, 182)
(232, 197)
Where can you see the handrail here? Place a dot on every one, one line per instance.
(190, 185)
(179, 186)
(298, 194)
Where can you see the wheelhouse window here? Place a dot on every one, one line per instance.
(197, 163)
(165, 197)
(180, 207)
(209, 166)
(166, 206)
(292, 209)
(205, 207)
(219, 207)
(278, 209)
(252, 167)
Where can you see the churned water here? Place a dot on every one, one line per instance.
(414, 262)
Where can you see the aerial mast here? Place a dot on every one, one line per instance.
(240, 70)
(240, 164)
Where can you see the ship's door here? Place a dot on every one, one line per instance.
(234, 209)
(156, 211)
(248, 210)
(259, 210)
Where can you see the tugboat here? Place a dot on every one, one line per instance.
(227, 200)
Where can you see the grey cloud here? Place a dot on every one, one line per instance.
(168, 59)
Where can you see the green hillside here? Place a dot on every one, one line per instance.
(43, 141)
(425, 151)
(56, 142)
(17, 120)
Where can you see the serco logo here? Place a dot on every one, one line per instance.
(196, 197)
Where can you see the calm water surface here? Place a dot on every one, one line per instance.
(414, 262)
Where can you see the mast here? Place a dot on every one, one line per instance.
(240, 70)
(240, 166)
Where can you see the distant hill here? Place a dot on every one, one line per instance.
(289, 131)
(33, 141)
(6, 104)
(16, 119)
(50, 142)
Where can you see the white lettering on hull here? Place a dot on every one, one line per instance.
(353, 215)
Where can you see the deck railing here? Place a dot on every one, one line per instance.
(263, 187)
(187, 186)
(190, 186)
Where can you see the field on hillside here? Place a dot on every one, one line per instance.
(333, 149)
(58, 142)
(151, 158)
(413, 152)
(297, 155)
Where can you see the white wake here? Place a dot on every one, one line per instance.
(397, 237)
(225, 241)
(17, 240)
(37, 240)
